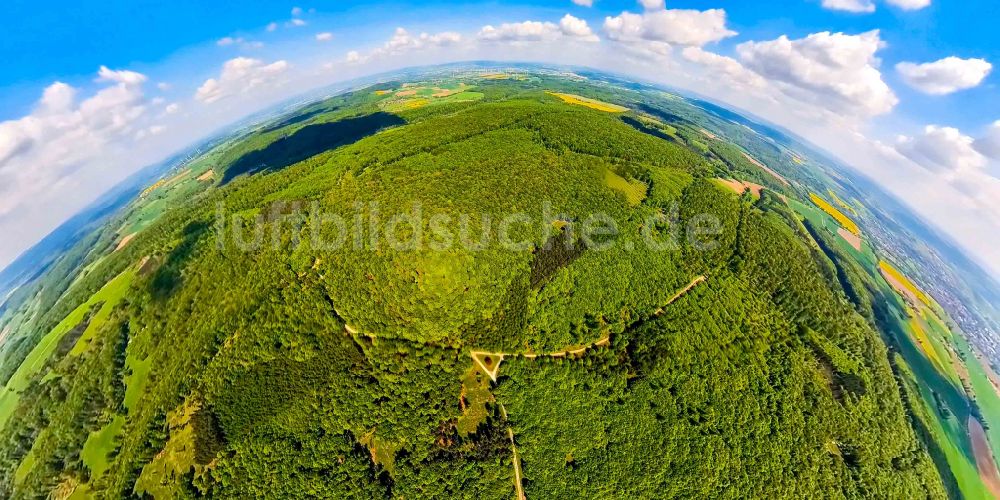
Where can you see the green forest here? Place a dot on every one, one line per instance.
(184, 365)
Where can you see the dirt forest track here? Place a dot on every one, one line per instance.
(489, 363)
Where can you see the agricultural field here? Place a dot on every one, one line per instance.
(958, 399)
(106, 298)
(590, 103)
(182, 364)
(413, 97)
(740, 187)
(839, 216)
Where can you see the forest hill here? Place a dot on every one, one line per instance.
(367, 227)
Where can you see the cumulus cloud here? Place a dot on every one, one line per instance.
(524, 31)
(575, 27)
(324, 37)
(355, 57)
(239, 76)
(538, 31)
(989, 144)
(403, 41)
(856, 6)
(584, 3)
(952, 159)
(124, 77)
(830, 70)
(672, 27)
(294, 23)
(717, 65)
(62, 134)
(296, 11)
(171, 108)
(941, 149)
(652, 4)
(945, 76)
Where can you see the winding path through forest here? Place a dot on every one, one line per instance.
(489, 363)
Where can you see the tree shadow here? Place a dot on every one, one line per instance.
(310, 141)
(167, 279)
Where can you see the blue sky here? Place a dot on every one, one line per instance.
(92, 91)
(70, 39)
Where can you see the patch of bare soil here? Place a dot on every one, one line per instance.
(984, 457)
(125, 241)
(851, 238)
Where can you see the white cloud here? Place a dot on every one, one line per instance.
(164, 86)
(57, 98)
(239, 76)
(403, 41)
(953, 162)
(324, 37)
(240, 41)
(989, 144)
(584, 3)
(124, 77)
(944, 76)
(674, 27)
(909, 4)
(856, 6)
(868, 6)
(295, 22)
(171, 108)
(539, 31)
(150, 131)
(941, 149)
(527, 31)
(228, 40)
(830, 70)
(569, 27)
(735, 73)
(652, 4)
(576, 27)
(355, 57)
(14, 140)
(63, 134)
